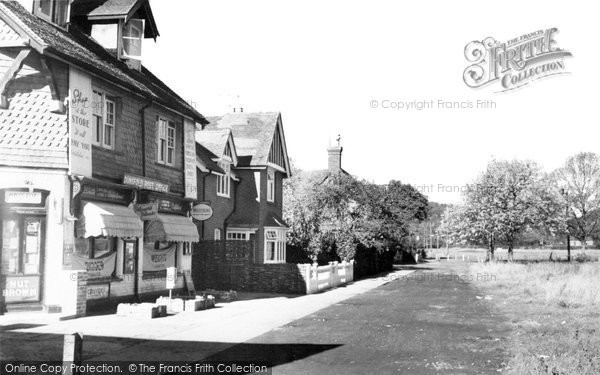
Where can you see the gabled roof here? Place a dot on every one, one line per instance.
(76, 48)
(253, 134)
(205, 158)
(116, 9)
(216, 141)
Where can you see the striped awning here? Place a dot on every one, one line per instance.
(105, 219)
(172, 228)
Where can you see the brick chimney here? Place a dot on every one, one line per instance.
(335, 158)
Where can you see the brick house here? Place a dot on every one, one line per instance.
(97, 158)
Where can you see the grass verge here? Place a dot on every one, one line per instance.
(555, 312)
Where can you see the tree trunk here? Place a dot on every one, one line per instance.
(490, 251)
(510, 250)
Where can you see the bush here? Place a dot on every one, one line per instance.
(583, 258)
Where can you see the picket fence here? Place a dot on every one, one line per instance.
(320, 278)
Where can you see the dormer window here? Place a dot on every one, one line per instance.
(55, 11)
(133, 33)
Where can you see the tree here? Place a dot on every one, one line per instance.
(579, 181)
(505, 200)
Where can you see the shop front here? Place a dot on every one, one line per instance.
(23, 219)
(108, 234)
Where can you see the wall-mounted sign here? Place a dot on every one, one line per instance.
(146, 211)
(145, 183)
(158, 260)
(97, 291)
(96, 268)
(21, 289)
(22, 197)
(202, 212)
(80, 121)
(105, 194)
(189, 159)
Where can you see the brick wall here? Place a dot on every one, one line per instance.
(225, 265)
(222, 207)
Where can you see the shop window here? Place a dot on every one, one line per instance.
(275, 245)
(95, 247)
(21, 246)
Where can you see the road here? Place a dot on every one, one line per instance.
(428, 322)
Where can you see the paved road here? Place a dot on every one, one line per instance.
(430, 322)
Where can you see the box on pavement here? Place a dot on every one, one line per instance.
(138, 310)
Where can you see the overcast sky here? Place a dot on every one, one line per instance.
(322, 63)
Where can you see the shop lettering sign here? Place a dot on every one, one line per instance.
(146, 211)
(145, 183)
(103, 266)
(158, 260)
(97, 291)
(80, 121)
(103, 193)
(22, 197)
(21, 289)
(189, 151)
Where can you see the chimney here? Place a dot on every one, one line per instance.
(335, 158)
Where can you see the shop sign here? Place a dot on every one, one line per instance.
(80, 123)
(22, 197)
(170, 206)
(171, 277)
(202, 212)
(158, 260)
(104, 194)
(97, 291)
(146, 211)
(189, 159)
(21, 289)
(145, 183)
(97, 267)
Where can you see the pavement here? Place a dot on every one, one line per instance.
(185, 336)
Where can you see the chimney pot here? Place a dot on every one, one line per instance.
(335, 158)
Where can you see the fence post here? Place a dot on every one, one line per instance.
(72, 347)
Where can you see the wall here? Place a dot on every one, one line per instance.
(222, 207)
(228, 266)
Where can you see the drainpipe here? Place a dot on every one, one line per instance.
(143, 117)
(203, 199)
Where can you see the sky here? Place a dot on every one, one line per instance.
(323, 64)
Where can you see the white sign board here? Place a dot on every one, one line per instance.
(23, 197)
(189, 160)
(171, 277)
(80, 123)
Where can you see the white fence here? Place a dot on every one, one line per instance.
(320, 278)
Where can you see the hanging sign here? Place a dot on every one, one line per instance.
(146, 211)
(189, 159)
(202, 212)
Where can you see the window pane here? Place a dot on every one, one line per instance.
(170, 156)
(108, 134)
(46, 7)
(98, 130)
(10, 247)
(270, 250)
(102, 246)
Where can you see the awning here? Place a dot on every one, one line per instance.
(105, 219)
(172, 228)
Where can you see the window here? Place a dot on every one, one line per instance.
(223, 180)
(217, 235)
(103, 111)
(270, 185)
(54, 11)
(95, 247)
(133, 34)
(275, 245)
(237, 236)
(129, 257)
(228, 151)
(109, 125)
(166, 141)
(21, 246)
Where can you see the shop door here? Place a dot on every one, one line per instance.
(22, 244)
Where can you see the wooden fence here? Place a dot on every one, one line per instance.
(320, 278)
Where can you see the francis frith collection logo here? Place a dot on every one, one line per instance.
(514, 63)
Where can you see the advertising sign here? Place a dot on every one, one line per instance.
(145, 183)
(189, 159)
(202, 212)
(171, 277)
(21, 289)
(80, 121)
(97, 291)
(103, 266)
(146, 211)
(158, 260)
(22, 197)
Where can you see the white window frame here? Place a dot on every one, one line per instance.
(277, 237)
(133, 24)
(99, 130)
(165, 141)
(238, 235)
(270, 185)
(217, 234)
(224, 180)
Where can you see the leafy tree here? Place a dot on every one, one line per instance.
(579, 181)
